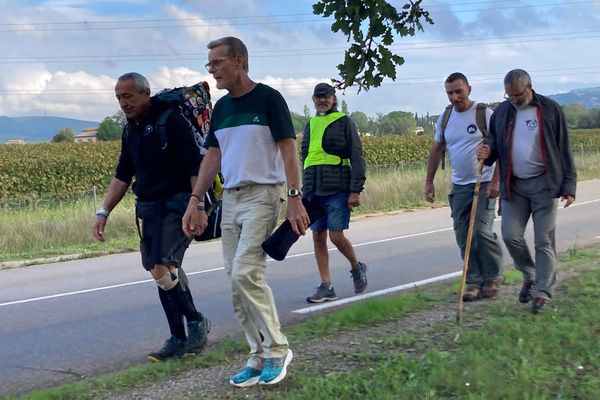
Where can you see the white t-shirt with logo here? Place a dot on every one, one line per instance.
(462, 138)
(527, 161)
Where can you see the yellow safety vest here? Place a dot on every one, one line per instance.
(316, 154)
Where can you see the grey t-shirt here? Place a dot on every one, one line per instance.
(527, 161)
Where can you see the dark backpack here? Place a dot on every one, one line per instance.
(194, 105)
(480, 120)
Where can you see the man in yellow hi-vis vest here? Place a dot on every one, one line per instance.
(333, 178)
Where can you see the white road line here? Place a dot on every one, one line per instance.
(54, 296)
(371, 294)
(381, 292)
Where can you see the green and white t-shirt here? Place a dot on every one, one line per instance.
(247, 129)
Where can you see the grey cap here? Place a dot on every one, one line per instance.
(323, 90)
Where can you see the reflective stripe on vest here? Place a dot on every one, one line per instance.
(316, 154)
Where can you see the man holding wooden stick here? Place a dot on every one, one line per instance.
(461, 129)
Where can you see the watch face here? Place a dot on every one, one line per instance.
(293, 192)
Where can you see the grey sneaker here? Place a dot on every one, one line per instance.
(359, 277)
(172, 347)
(197, 333)
(322, 294)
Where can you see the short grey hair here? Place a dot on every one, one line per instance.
(140, 81)
(234, 46)
(517, 75)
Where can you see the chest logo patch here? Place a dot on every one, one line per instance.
(532, 124)
(471, 129)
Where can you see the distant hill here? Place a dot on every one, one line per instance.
(589, 98)
(39, 129)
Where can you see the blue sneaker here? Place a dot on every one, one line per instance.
(275, 369)
(246, 377)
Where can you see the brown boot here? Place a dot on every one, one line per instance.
(471, 293)
(491, 287)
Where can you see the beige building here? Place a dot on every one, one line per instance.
(86, 135)
(15, 141)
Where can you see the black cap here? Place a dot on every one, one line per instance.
(323, 90)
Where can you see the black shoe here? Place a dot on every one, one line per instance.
(538, 305)
(323, 293)
(173, 347)
(359, 277)
(197, 336)
(525, 293)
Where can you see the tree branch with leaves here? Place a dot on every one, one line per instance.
(371, 25)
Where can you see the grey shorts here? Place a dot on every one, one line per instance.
(160, 233)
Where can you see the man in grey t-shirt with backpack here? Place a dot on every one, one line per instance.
(460, 130)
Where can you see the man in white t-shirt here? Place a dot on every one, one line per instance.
(461, 136)
(530, 140)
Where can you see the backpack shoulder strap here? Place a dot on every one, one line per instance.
(125, 132)
(161, 127)
(480, 119)
(445, 118)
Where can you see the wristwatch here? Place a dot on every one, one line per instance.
(293, 192)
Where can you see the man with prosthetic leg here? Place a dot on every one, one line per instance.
(164, 175)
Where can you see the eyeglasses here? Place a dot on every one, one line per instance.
(515, 96)
(216, 63)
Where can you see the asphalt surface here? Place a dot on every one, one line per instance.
(62, 321)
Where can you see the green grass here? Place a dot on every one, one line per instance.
(508, 353)
(64, 228)
(504, 352)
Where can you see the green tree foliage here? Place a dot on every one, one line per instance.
(120, 118)
(576, 114)
(344, 107)
(396, 123)
(361, 121)
(306, 111)
(109, 130)
(64, 135)
(371, 26)
(299, 121)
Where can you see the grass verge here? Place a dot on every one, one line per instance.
(504, 352)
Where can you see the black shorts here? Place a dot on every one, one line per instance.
(160, 233)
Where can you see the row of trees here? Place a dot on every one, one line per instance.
(109, 129)
(393, 123)
(580, 117)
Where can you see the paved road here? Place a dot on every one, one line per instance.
(64, 320)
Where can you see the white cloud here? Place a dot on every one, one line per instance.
(291, 57)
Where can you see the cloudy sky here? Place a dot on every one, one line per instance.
(61, 57)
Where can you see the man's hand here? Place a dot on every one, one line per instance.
(297, 215)
(98, 229)
(429, 192)
(194, 222)
(483, 152)
(493, 190)
(353, 200)
(568, 199)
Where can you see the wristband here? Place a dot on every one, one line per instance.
(102, 212)
(198, 199)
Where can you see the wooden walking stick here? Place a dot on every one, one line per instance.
(459, 311)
